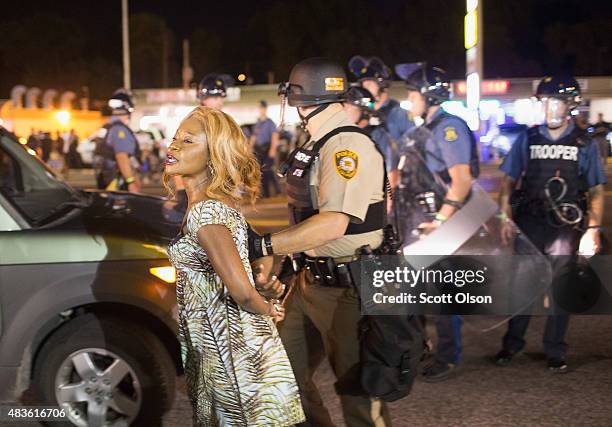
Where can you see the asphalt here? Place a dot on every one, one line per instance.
(480, 393)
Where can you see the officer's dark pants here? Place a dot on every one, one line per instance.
(323, 321)
(448, 329)
(560, 245)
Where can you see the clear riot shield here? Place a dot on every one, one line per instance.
(518, 275)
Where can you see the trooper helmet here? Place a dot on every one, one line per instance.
(560, 95)
(563, 87)
(313, 82)
(121, 102)
(360, 97)
(214, 85)
(431, 82)
(372, 68)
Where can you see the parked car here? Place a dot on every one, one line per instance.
(87, 296)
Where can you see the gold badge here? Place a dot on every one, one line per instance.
(121, 134)
(334, 83)
(346, 163)
(450, 134)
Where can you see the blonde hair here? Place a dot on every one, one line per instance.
(235, 171)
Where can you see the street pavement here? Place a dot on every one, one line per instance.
(480, 394)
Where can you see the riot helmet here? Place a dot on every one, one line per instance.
(372, 68)
(214, 85)
(560, 95)
(431, 82)
(314, 82)
(121, 102)
(359, 104)
(360, 97)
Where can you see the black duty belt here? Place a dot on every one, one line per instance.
(331, 272)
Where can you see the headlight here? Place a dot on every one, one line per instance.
(167, 274)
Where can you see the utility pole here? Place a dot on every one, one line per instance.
(127, 83)
(187, 70)
(164, 50)
(473, 57)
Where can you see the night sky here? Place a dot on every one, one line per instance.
(70, 44)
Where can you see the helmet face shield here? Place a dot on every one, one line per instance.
(556, 111)
(121, 103)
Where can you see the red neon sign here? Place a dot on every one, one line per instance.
(487, 87)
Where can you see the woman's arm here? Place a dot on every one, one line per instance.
(219, 245)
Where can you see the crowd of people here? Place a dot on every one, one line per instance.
(240, 343)
(59, 151)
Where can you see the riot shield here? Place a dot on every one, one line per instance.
(519, 275)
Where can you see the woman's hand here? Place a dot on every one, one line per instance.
(278, 311)
(269, 288)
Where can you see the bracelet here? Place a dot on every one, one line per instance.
(130, 180)
(267, 239)
(503, 216)
(440, 217)
(596, 227)
(453, 203)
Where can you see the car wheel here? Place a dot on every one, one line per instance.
(105, 372)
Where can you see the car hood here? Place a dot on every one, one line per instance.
(135, 216)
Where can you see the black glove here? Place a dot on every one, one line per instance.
(255, 250)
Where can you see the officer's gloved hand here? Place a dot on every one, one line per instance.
(590, 243)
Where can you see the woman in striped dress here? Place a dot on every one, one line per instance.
(236, 368)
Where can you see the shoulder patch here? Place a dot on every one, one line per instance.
(450, 133)
(347, 163)
(121, 134)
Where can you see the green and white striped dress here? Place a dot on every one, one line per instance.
(236, 368)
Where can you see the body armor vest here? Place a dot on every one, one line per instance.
(552, 159)
(299, 193)
(552, 178)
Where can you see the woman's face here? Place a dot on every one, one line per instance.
(188, 153)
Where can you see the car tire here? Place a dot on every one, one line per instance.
(150, 380)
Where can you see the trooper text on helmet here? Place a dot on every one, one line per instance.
(213, 89)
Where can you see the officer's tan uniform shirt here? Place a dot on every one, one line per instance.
(347, 178)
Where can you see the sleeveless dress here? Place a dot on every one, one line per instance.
(236, 368)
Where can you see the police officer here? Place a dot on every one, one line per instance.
(359, 107)
(264, 141)
(375, 76)
(117, 151)
(547, 172)
(212, 90)
(450, 153)
(335, 186)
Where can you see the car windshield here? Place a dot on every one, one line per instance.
(31, 187)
